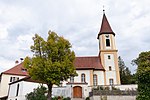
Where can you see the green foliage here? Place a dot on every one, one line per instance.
(143, 75)
(87, 98)
(68, 98)
(125, 74)
(37, 94)
(61, 98)
(52, 60)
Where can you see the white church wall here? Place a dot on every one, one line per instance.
(87, 76)
(86, 90)
(4, 86)
(100, 77)
(110, 74)
(109, 62)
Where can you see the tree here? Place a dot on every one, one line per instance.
(52, 60)
(37, 94)
(125, 74)
(143, 75)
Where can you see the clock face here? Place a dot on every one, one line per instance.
(107, 36)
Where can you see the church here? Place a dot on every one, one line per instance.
(101, 69)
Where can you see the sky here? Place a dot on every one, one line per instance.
(78, 21)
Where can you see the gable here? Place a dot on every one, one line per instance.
(17, 70)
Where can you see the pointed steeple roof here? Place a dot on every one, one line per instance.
(105, 27)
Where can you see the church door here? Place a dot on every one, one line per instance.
(77, 92)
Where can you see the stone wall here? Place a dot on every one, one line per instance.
(113, 98)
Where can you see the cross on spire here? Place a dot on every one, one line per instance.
(103, 9)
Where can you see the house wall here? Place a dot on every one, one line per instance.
(27, 87)
(4, 86)
(24, 88)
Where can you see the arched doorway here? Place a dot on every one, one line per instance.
(77, 92)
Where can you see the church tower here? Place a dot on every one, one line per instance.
(108, 53)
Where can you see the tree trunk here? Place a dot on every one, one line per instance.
(49, 95)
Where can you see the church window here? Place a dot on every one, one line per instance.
(71, 79)
(83, 78)
(110, 68)
(111, 81)
(109, 57)
(107, 42)
(95, 80)
(17, 90)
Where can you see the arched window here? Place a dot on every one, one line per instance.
(71, 79)
(111, 81)
(95, 80)
(83, 78)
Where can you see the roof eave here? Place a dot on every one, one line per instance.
(100, 33)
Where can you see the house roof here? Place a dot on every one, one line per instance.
(17, 70)
(88, 63)
(105, 27)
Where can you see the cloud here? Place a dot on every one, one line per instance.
(3, 33)
(78, 21)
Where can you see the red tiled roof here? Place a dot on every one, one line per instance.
(79, 63)
(17, 70)
(105, 27)
(88, 63)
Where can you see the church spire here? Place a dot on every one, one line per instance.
(105, 26)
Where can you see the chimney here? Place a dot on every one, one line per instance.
(16, 62)
(21, 59)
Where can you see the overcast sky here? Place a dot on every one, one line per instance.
(78, 21)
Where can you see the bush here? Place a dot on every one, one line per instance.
(37, 94)
(68, 98)
(87, 98)
(61, 98)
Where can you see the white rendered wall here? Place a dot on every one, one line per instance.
(27, 87)
(77, 79)
(4, 86)
(127, 87)
(100, 77)
(24, 88)
(110, 74)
